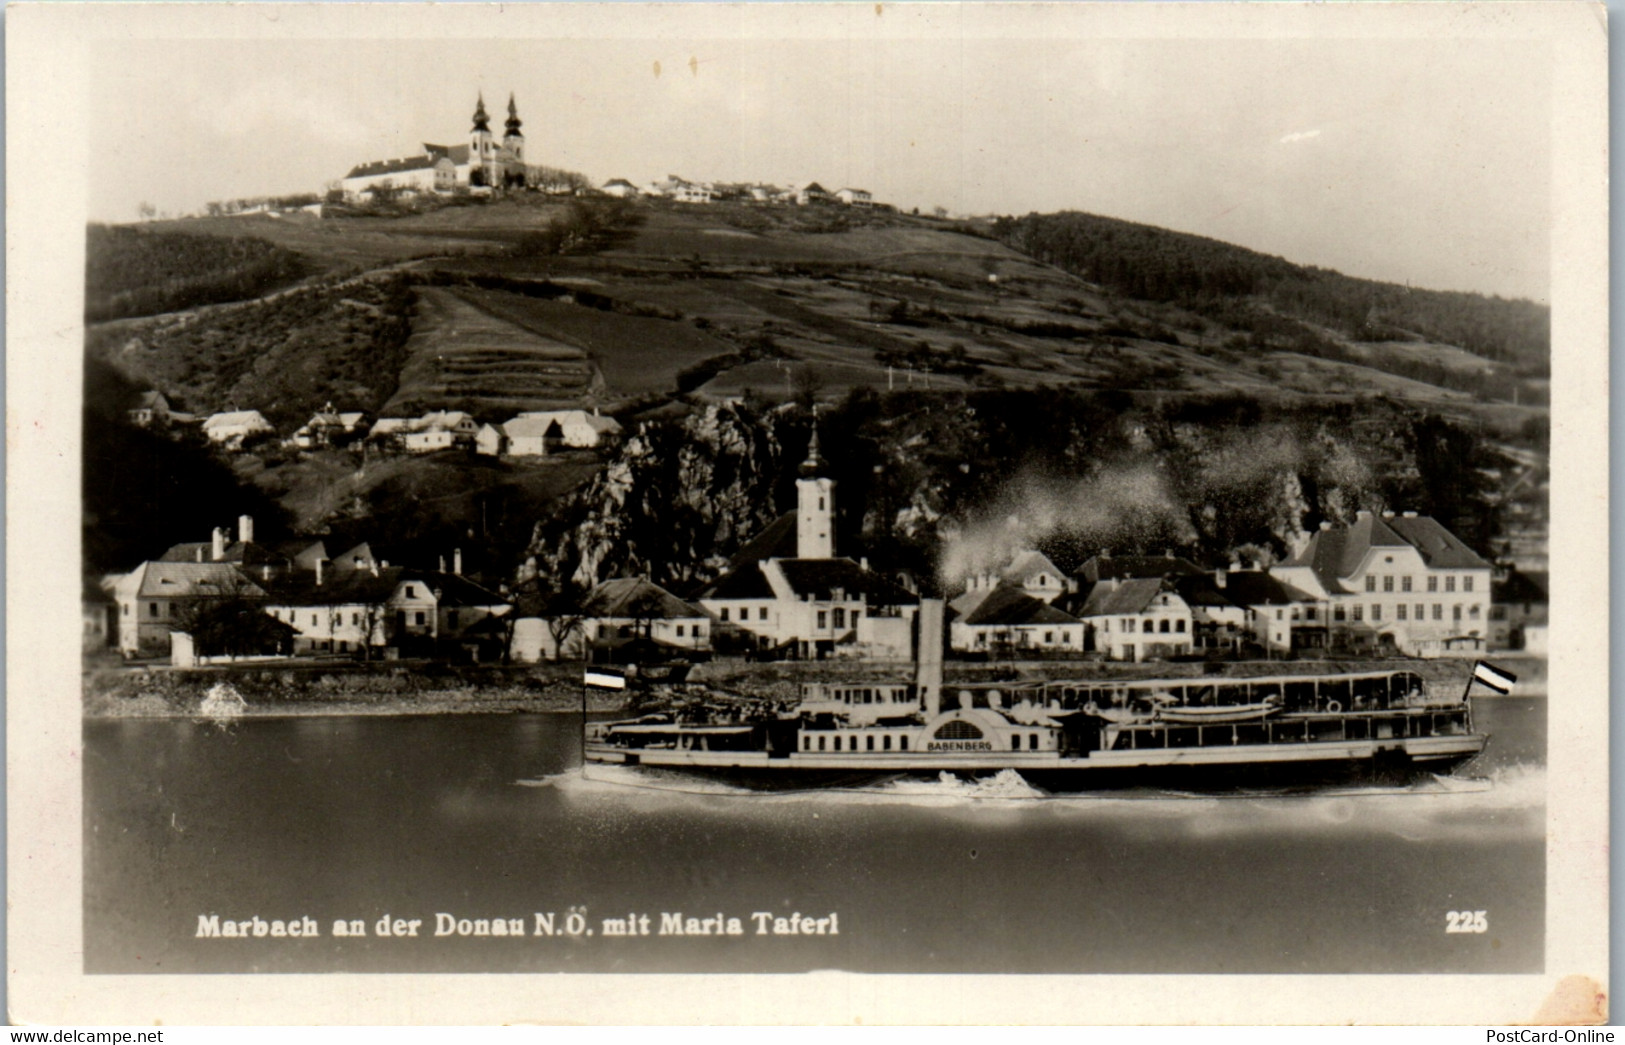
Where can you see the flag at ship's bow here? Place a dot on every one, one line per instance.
(605, 678)
(1498, 679)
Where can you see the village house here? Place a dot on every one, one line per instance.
(491, 440)
(1030, 571)
(1399, 581)
(787, 590)
(1518, 611)
(635, 608)
(1008, 620)
(150, 408)
(153, 600)
(620, 188)
(812, 192)
(539, 433)
(233, 427)
(434, 431)
(1234, 610)
(328, 427)
(1138, 619)
(855, 197)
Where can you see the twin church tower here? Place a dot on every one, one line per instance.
(499, 166)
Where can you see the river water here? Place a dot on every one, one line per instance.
(350, 819)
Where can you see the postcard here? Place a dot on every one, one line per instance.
(807, 513)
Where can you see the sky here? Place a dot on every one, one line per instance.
(1419, 161)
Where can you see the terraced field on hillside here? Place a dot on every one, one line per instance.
(462, 356)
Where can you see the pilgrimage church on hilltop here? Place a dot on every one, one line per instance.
(481, 164)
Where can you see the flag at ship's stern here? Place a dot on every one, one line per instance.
(1498, 679)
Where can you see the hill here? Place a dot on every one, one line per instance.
(660, 309)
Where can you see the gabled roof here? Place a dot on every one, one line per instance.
(456, 153)
(746, 582)
(338, 587)
(248, 553)
(396, 166)
(1257, 588)
(190, 551)
(1008, 607)
(821, 578)
(529, 426)
(777, 541)
(236, 417)
(611, 183)
(638, 598)
(1029, 564)
(152, 400)
(454, 589)
(1099, 568)
(178, 580)
(1130, 596)
(1338, 551)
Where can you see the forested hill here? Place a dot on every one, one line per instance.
(1209, 276)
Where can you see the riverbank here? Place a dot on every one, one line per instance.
(315, 688)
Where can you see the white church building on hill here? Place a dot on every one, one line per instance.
(483, 163)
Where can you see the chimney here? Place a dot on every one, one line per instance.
(265, 571)
(928, 655)
(245, 528)
(1408, 515)
(1221, 577)
(200, 555)
(457, 561)
(863, 563)
(218, 552)
(319, 572)
(442, 566)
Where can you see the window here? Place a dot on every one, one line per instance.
(679, 631)
(1433, 584)
(837, 743)
(1145, 626)
(1280, 614)
(870, 745)
(1402, 611)
(1049, 638)
(355, 620)
(152, 609)
(823, 619)
(1455, 612)
(1466, 584)
(126, 609)
(344, 647)
(1339, 613)
(1032, 742)
(723, 614)
(820, 504)
(1388, 583)
(1371, 583)
(1309, 613)
(840, 617)
(1450, 584)
(902, 743)
(313, 620)
(820, 743)
(1015, 741)
(855, 615)
(1438, 611)
(1405, 583)
(885, 742)
(1359, 613)
(1376, 611)
(1179, 625)
(1164, 626)
(958, 729)
(420, 618)
(1421, 612)
(411, 592)
(761, 614)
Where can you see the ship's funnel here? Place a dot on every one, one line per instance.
(928, 655)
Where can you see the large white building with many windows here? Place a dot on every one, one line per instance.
(1399, 580)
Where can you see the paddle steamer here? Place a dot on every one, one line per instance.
(1191, 733)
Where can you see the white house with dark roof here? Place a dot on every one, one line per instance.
(855, 197)
(1030, 571)
(620, 188)
(152, 598)
(1008, 619)
(1142, 618)
(1402, 580)
(635, 607)
(787, 588)
(537, 433)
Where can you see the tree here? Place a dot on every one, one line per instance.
(232, 624)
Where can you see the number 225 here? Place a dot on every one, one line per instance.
(1466, 922)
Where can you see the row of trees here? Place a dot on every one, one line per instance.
(132, 271)
(1156, 264)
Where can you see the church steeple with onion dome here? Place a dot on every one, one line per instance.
(815, 505)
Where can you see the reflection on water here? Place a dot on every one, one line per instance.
(490, 817)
